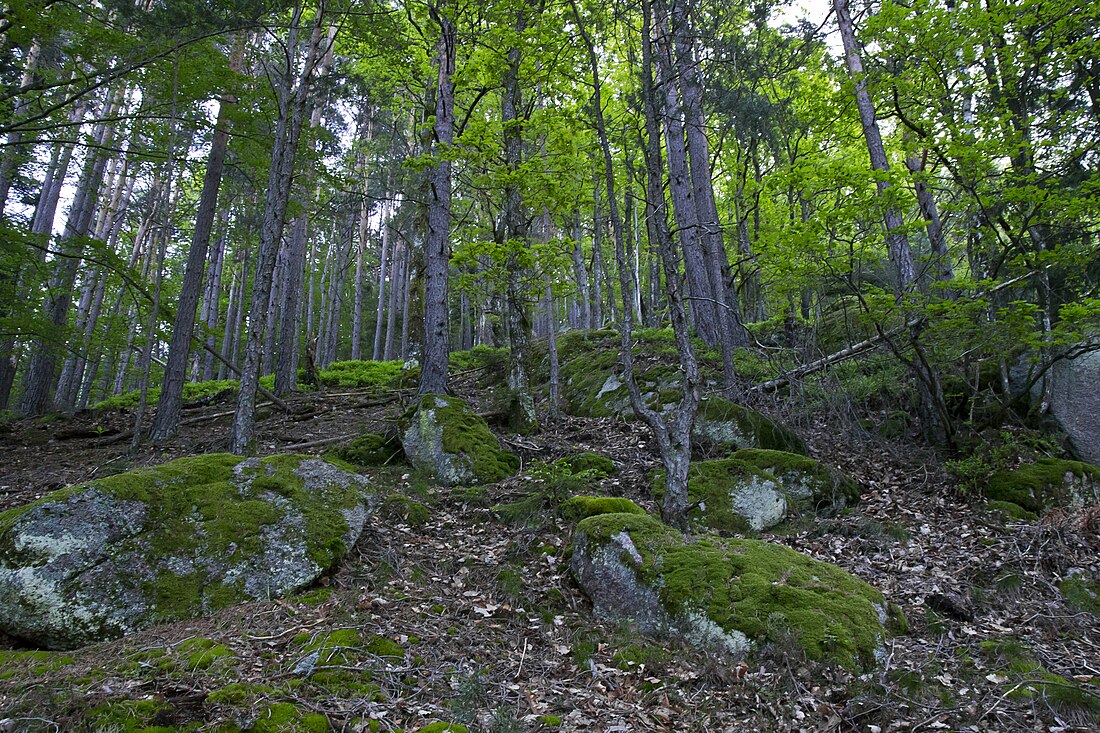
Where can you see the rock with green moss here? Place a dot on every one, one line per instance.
(731, 495)
(582, 507)
(810, 485)
(448, 439)
(1047, 483)
(722, 425)
(597, 464)
(733, 594)
(370, 450)
(175, 541)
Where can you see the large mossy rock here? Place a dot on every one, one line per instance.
(726, 426)
(733, 594)
(183, 539)
(755, 490)
(1047, 483)
(812, 486)
(1075, 403)
(448, 439)
(729, 495)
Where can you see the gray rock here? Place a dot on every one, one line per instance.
(1076, 404)
(448, 439)
(728, 594)
(186, 538)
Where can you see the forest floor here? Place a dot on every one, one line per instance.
(494, 634)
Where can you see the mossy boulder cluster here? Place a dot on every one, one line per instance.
(183, 539)
(733, 594)
(445, 437)
(754, 490)
(1047, 483)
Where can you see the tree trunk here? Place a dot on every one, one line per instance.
(383, 264)
(433, 364)
(292, 111)
(704, 306)
(901, 255)
(40, 372)
(673, 435)
(522, 410)
(166, 422)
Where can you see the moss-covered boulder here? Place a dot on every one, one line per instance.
(370, 450)
(811, 486)
(448, 439)
(730, 495)
(582, 507)
(722, 425)
(183, 539)
(1049, 482)
(734, 594)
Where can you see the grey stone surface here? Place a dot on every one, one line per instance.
(112, 556)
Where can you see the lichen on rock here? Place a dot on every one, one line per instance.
(182, 539)
(730, 593)
(809, 484)
(444, 436)
(730, 495)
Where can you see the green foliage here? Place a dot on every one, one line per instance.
(552, 484)
(991, 454)
(371, 450)
(376, 375)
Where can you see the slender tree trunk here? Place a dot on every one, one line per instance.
(40, 372)
(522, 414)
(901, 255)
(673, 438)
(292, 110)
(433, 364)
(396, 279)
(170, 402)
(704, 306)
(383, 265)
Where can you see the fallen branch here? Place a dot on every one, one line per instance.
(856, 349)
(319, 443)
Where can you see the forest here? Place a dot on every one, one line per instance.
(749, 277)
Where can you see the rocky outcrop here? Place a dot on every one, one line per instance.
(1075, 404)
(809, 485)
(448, 439)
(733, 594)
(179, 540)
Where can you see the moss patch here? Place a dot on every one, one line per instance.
(1049, 482)
(1011, 511)
(804, 478)
(33, 663)
(371, 450)
(1082, 594)
(283, 717)
(725, 424)
(582, 507)
(399, 508)
(765, 591)
(442, 727)
(465, 439)
(335, 648)
(711, 486)
(203, 653)
(588, 461)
